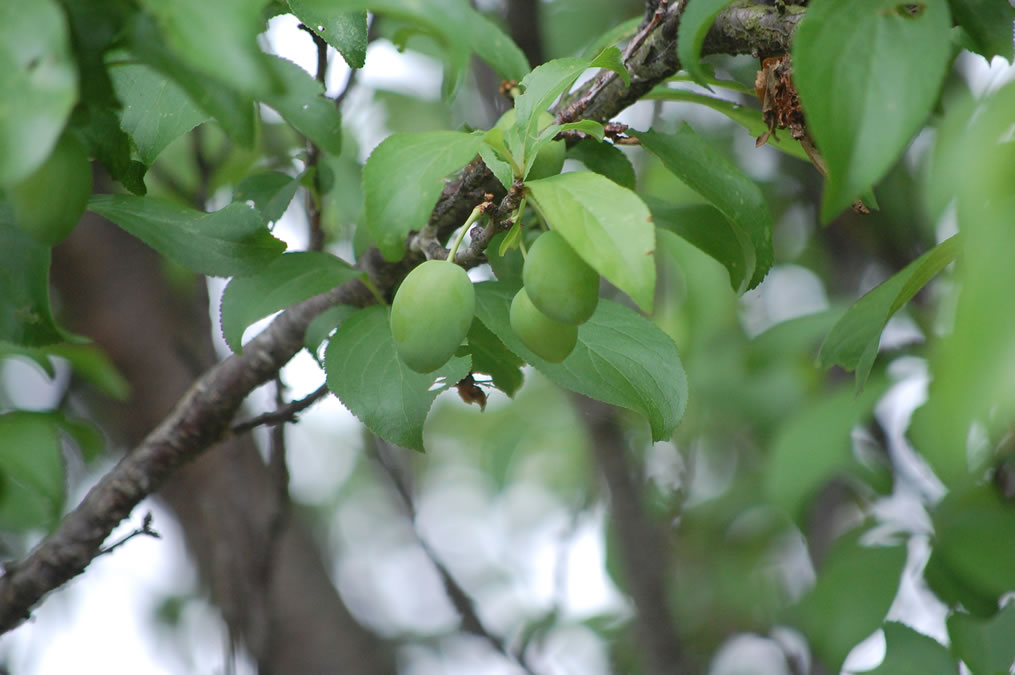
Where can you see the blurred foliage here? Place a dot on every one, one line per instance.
(788, 499)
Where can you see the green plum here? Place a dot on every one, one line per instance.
(550, 158)
(549, 339)
(49, 203)
(559, 283)
(431, 314)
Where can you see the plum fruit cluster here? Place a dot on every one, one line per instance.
(560, 292)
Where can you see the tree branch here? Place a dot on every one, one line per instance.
(203, 415)
(642, 545)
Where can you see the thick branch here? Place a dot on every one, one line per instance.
(204, 414)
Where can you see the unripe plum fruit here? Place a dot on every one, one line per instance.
(431, 314)
(547, 338)
(550, 158)
(559, 283)
(49, 203)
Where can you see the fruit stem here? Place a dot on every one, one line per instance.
(473, 217)
(374, 291)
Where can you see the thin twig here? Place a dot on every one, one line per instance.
(461, 600)
(145, 530)
(286, 413)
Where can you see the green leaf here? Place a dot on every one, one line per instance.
(156, 111)
(985, 646)
(711, 80)
(38, 84)
(968, 525)
(853, 341)
(303, 105)
(973, 367)
(288, 279)
(988, 23)
(727, 188)
(868, 72)
(855, 588)
(621, 358)
(954, 591)
(233, 110)
(605, 159)
(698, 17)
(618, 33)
(25, 315)
(908, 652)
(228, 242)
(321, 328)
(607, 225)
(455, 24)
(747, 117)
(490, 356)
(403, 178)
(814, 446)
(345, 31)
(499, 168)
(270, 191)
(218, 39)
(98, 125)
(543, 86)
(546, 83)
(85, 435)
(31, 471)
(91, 365)
(707, 229)
(364, 371)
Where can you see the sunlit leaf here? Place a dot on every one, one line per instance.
(403, 178)
(607, 225)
